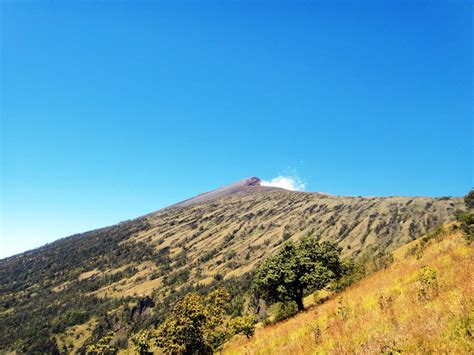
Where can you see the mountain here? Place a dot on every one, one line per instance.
(124, 277)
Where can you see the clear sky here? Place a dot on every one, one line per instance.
(113, 109)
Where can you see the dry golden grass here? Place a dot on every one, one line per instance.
(88, 274)
(384, 313)
(138, 284)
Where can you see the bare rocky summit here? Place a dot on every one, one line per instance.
(248, 184)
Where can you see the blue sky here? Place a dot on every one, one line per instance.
(111, 110)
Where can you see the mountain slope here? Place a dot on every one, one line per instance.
(215, 238)
(423, 303)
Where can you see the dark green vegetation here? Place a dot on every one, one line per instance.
(243, 325)
(296, 268)
(467, 218)
(34, 304)
(195, 325)
(120, 280)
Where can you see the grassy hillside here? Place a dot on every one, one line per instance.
(229, 236)
(100, 278)
(422, 303)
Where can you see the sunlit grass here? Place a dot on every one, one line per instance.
(384, 313)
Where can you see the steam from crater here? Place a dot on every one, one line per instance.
(292, 183)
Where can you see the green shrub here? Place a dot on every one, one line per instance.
(342, 310)
(243, 325)
(318, 334)
(195, 325)
(467, 225)
(469, 200)
(467, 218)
(428, 283)
(316, 298)
(383, 260)
(285, 310)
(353, 270)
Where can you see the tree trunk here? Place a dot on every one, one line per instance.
(299, 302)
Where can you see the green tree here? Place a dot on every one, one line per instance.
(467, 218)
(298, 267)
(243, 325)
(196, 325)
(215, 330)
(469, 200)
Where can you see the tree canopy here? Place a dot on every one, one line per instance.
(469, 200)
(243, 325)
(296, 268)
(195, 325)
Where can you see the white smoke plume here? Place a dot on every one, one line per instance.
(293, 183)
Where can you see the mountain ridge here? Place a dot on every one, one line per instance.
(217, 239)
(246, 185)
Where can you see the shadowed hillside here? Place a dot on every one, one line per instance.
(138, 268)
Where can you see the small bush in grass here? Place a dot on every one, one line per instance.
(383, 260)
(316, 298)
(266, 321)
(462, 327)
(390, 349)
(342, 310)
(243, 325)
(318, 334)
(418, 248)
(285, 310)
(428, 283)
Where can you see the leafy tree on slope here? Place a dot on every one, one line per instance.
(196, 325)
(298, 267)
(469, 200)
(243, 325)
(467, 218)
